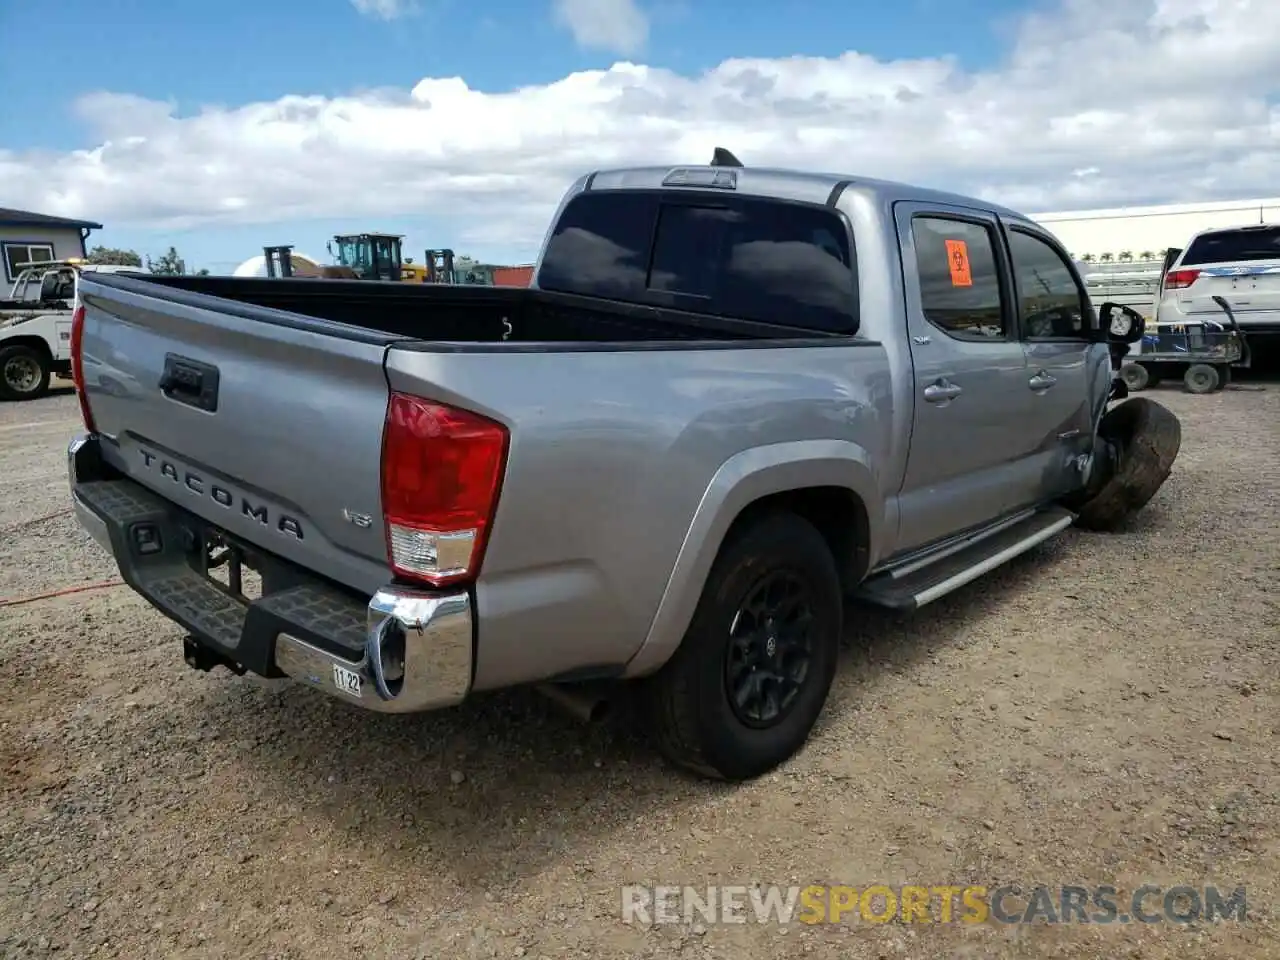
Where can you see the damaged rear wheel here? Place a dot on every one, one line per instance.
(1145, 438)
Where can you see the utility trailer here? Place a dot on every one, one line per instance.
(1199, 352)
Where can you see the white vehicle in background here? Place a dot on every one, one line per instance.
(35, 326)
(1239, 264)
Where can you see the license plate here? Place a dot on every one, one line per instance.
(347, 681)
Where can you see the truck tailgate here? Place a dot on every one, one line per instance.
(266, 424)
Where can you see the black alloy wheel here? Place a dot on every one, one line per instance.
(770, 650)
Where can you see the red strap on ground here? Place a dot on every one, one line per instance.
(65, 591)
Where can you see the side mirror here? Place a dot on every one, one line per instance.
(1123, 324)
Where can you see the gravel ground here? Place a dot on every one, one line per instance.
(1100, 711)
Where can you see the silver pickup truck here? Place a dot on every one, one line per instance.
(732, 398)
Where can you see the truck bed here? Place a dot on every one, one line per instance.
(258, 407)
(461, 315)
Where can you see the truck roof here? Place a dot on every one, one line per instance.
(787, 184)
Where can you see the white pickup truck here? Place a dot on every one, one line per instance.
(35, 326)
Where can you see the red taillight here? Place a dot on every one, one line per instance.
(441, 473)
(1180, 279)
(77, 365)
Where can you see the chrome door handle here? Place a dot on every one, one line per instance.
(941, 392)
(1042, 381)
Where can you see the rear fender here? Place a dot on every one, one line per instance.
(743, 479)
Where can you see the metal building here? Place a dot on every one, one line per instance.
(1125, 234)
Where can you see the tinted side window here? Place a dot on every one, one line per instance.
(600, 247)
(959, 282)
(770, 262)
(1233, 246)
(1050, 301)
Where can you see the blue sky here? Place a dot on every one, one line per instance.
(1012, 99)
(241, 51)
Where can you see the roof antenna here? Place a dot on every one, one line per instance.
(723, 158)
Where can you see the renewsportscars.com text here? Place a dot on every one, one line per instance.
(936, 903)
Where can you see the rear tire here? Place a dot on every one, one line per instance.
(1135, 377)
(698, 723)
(1147, 438)
(24, 373)
(1224, 376)
(1201, 378)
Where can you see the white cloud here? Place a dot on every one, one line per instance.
(618, 26)
(384, 9)
(1097, 103)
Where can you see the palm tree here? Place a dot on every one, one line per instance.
(1147, 255)
(1107, 258)
(1088, 258)
(1126, 256)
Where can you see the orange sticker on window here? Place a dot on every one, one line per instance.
(958, 258)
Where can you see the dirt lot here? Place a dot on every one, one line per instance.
(1102, 711)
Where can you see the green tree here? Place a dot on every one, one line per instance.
(1088, 258)
(111, 255)
(1126, 255)
(170, 264)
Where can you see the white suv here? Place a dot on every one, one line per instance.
(1239, 264)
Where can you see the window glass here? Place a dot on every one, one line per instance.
(1050, 301)
(600, 247)
(770, 262)
(18, 254)
(759, 260)
(352, 253)
(1234, 246)
(959, 283)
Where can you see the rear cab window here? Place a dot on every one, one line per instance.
(1241, 245)
(740, 258)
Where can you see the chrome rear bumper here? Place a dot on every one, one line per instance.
(417, 655)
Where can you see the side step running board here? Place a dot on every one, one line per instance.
(928, 583)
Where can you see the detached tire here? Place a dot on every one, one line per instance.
(1201, 378)
(1147, 438)
(1135, 376)
(744, 689)
(24, 373)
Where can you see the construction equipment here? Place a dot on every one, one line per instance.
(379, 256)
(374, 256)
(439, 267)
(282, 262)
(279, 261)
(442, 266)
